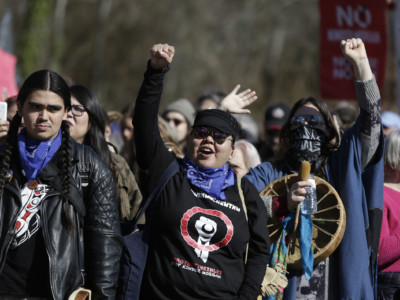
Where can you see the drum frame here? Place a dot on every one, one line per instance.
(329, 222)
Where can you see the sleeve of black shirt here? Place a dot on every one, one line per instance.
(150, 149)
(259, 245)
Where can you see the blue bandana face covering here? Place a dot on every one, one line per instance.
(34, 155)
(210, 180)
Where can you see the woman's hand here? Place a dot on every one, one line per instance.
(4, 127)
(297, 194)
(234, 103)
(354, 50)
(161, 55)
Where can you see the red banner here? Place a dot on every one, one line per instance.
(8, 85)
(343, 19)
(396, 41)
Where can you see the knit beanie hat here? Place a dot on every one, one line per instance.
(218, 119)
(182, 106)
(390, 119)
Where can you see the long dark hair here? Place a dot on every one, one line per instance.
(333, 135)
(44, 80)
(95, 135)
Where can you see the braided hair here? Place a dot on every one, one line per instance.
(66, 150)
(44, 80)
(12, 140)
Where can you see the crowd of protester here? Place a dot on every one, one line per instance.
(72, 175)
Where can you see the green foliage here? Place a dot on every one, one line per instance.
(33, 41)
(271, 47)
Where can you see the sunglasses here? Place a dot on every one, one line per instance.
(175, 121)
(203, 132)
(312, 120)
(77, 110)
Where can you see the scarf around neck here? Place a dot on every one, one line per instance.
(210, 180)
(34, 155)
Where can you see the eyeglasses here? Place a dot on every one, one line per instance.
(312, 120)
(203, 132)
(176, 121)
(78, 110)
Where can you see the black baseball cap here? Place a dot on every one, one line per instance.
(276, 115)
(218, 119)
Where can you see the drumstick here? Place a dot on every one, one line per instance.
(305, 169)
(304, 172)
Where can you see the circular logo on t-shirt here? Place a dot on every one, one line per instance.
(205, 225)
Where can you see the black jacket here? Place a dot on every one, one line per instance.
(96, 230)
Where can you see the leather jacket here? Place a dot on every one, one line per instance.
(93, 245)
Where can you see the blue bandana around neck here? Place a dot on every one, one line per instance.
(34, 155)
(210, 180)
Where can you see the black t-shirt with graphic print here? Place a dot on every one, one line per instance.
(26, 268)
(197, 243)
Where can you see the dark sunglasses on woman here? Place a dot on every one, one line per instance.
(310, 120)
(203, 132)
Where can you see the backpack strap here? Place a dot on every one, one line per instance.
(129, 226)
(239, 185)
